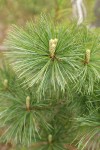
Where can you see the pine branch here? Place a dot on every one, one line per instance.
(55, 79)
(54, 57)
(27, 120)
(31, 57)
(90, 137)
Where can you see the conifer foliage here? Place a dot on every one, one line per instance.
(49, 94)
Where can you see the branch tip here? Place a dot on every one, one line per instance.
(5, 83)
(50, 139)
(87, 56)
(52, 47)
(28, 103)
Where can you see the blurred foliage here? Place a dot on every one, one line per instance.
(13, 10)
(20, 10)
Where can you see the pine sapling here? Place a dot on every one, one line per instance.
(50, 91)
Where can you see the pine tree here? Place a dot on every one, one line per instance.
(49, 94)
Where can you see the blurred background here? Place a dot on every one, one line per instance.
(19, 11)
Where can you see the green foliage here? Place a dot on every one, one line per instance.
(51, 97)
(90, 138)
(29, 55)
(89, 124)
(33, 125)
(89, 73)
(38, 66)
